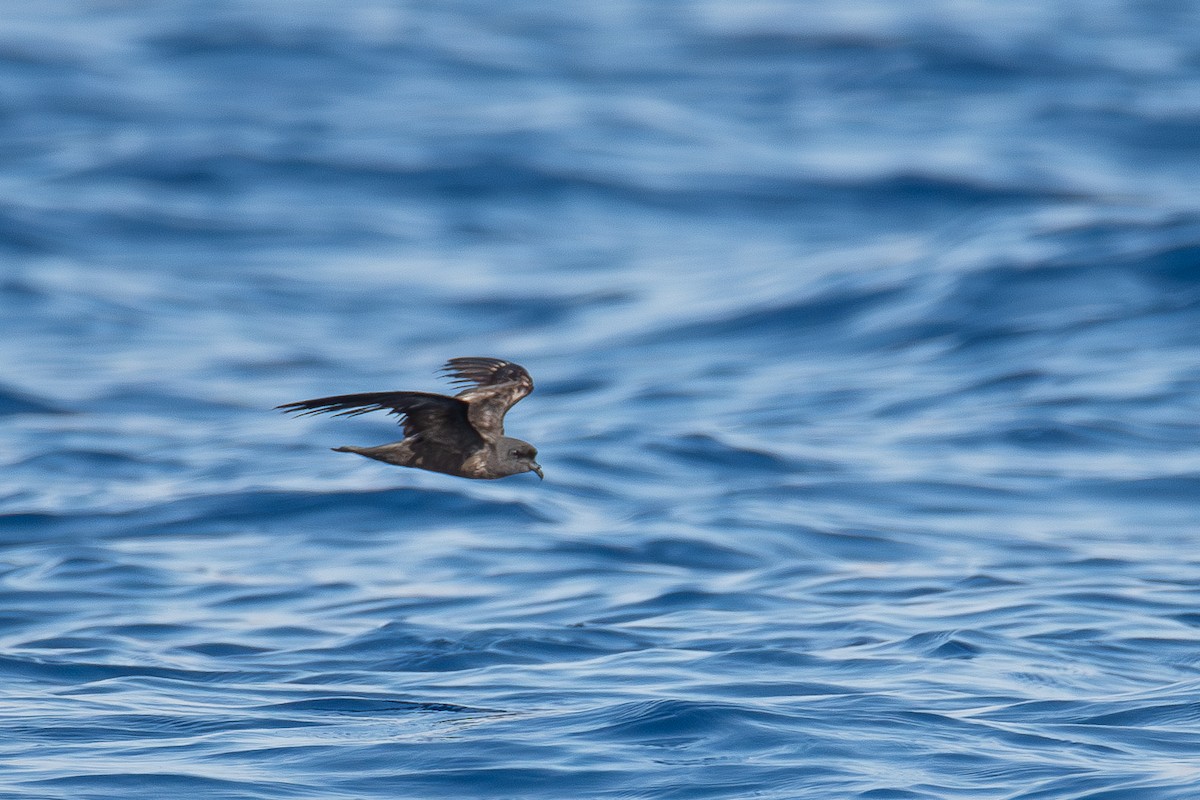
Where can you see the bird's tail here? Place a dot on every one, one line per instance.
(393, 453)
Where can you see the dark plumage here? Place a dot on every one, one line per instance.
(461, 435)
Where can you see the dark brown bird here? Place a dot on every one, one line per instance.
(461, 435)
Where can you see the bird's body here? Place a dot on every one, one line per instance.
(461, 435)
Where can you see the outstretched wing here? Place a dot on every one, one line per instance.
(432, 417)
(494, 386)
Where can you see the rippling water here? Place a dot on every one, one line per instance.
(866, 343)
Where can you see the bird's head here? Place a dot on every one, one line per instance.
(518, 456)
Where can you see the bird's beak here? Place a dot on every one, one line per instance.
(538, 469)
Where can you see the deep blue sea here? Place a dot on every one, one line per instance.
(867, 347)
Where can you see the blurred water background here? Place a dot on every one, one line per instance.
(866, 339)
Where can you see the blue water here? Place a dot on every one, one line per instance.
(867, 351)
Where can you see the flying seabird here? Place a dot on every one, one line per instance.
(461, 435)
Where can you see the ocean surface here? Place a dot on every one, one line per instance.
(867, 350)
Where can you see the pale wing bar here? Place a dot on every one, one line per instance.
(485, 371)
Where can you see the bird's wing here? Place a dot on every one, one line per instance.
(494, 386)
(433, 417)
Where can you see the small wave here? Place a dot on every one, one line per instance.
(13, 402)
(161, 784)
(398, 647)
(67, 672)
(946, 644)
(89, 464)
(225, 649)
(1180, 264)
(676, 723)
(834, 310)
(673, 551)
(1182, 488)
(284, 508)
(707, 450)
(373, 706)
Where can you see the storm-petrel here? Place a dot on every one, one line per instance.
(461, 435)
